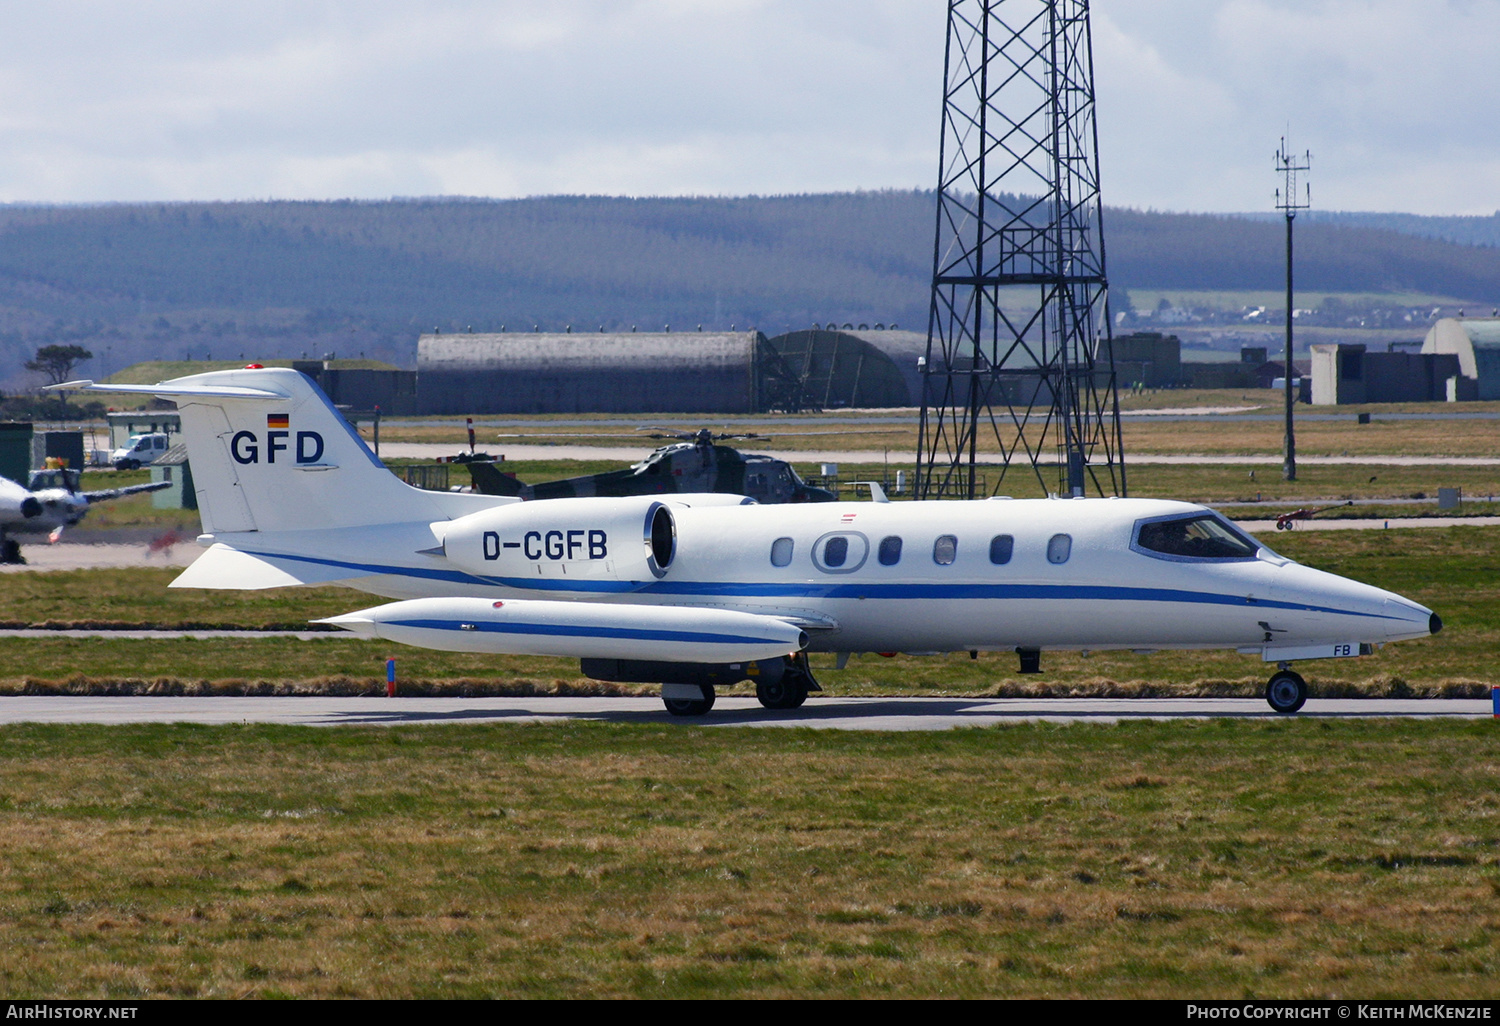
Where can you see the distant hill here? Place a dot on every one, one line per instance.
(1474, 230)
(363, 279)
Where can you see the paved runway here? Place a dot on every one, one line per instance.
(41, 557)
(883, 714)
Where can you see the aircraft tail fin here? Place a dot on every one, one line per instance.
(488, 480)
(269, 452)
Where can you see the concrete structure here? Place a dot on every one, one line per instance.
(63, 445)
(1149, 359)
(1475, 341)
(1345, 373)
(15, 450)
(360, 390)
(590, 372)
(1219, 373)
(667, 372)
(824, 370)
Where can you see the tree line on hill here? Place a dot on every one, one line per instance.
(282, 279)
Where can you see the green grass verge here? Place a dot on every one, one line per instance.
(1229, 859)
(151, 372)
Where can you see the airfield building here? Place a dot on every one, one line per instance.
(665, 372)
(1344, 374)
(590, 372)
(828, 368)
(1475, 341)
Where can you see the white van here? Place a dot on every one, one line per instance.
(142, 451)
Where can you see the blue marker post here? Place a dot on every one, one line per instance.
(1495, 702)
(390, 678)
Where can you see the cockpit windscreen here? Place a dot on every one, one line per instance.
(1195, 536)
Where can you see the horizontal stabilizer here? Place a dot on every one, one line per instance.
(170, 390)
(224, 567)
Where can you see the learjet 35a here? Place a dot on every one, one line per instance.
(695, 591)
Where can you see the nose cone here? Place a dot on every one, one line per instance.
(1325, 606)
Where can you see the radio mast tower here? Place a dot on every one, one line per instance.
(1288, 167)
(1019, 369)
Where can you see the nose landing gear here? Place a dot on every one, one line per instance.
(1286, 691)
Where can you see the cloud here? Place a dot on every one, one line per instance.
(1390, 96)
(169, 99)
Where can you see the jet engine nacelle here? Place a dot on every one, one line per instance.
(546, 544)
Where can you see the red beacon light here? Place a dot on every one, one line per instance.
(255, 366)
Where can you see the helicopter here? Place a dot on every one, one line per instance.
(692, 463)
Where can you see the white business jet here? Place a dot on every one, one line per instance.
(697, 591)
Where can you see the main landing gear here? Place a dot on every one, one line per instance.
(781, 683)
(789, 690)
(10, 551)
(679, 703)
(1286, 691)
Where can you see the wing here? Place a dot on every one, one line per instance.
(116, 493)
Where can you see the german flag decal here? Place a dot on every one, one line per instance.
(278, 420)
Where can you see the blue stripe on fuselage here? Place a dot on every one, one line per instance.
(805, 590)
(570, 631)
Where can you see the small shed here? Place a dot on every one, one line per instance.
(15, 450)
(173, 468)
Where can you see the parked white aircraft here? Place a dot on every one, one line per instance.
(49, 510)
(695, 591)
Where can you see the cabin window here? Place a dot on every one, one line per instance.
(836, 552)
(890, 551)
(1195, 536)
(1059, 548)
(781, 552)
(1001, 547)
(944, 550)
(840, 553)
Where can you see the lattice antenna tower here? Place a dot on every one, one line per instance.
(1019, 371)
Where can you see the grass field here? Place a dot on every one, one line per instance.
(1215, 859)
(865, 430)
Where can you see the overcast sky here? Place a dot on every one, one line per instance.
(308, 99)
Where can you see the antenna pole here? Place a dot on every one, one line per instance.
(1288, 167)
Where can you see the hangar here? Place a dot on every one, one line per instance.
(666, 372)
(1476, 343)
